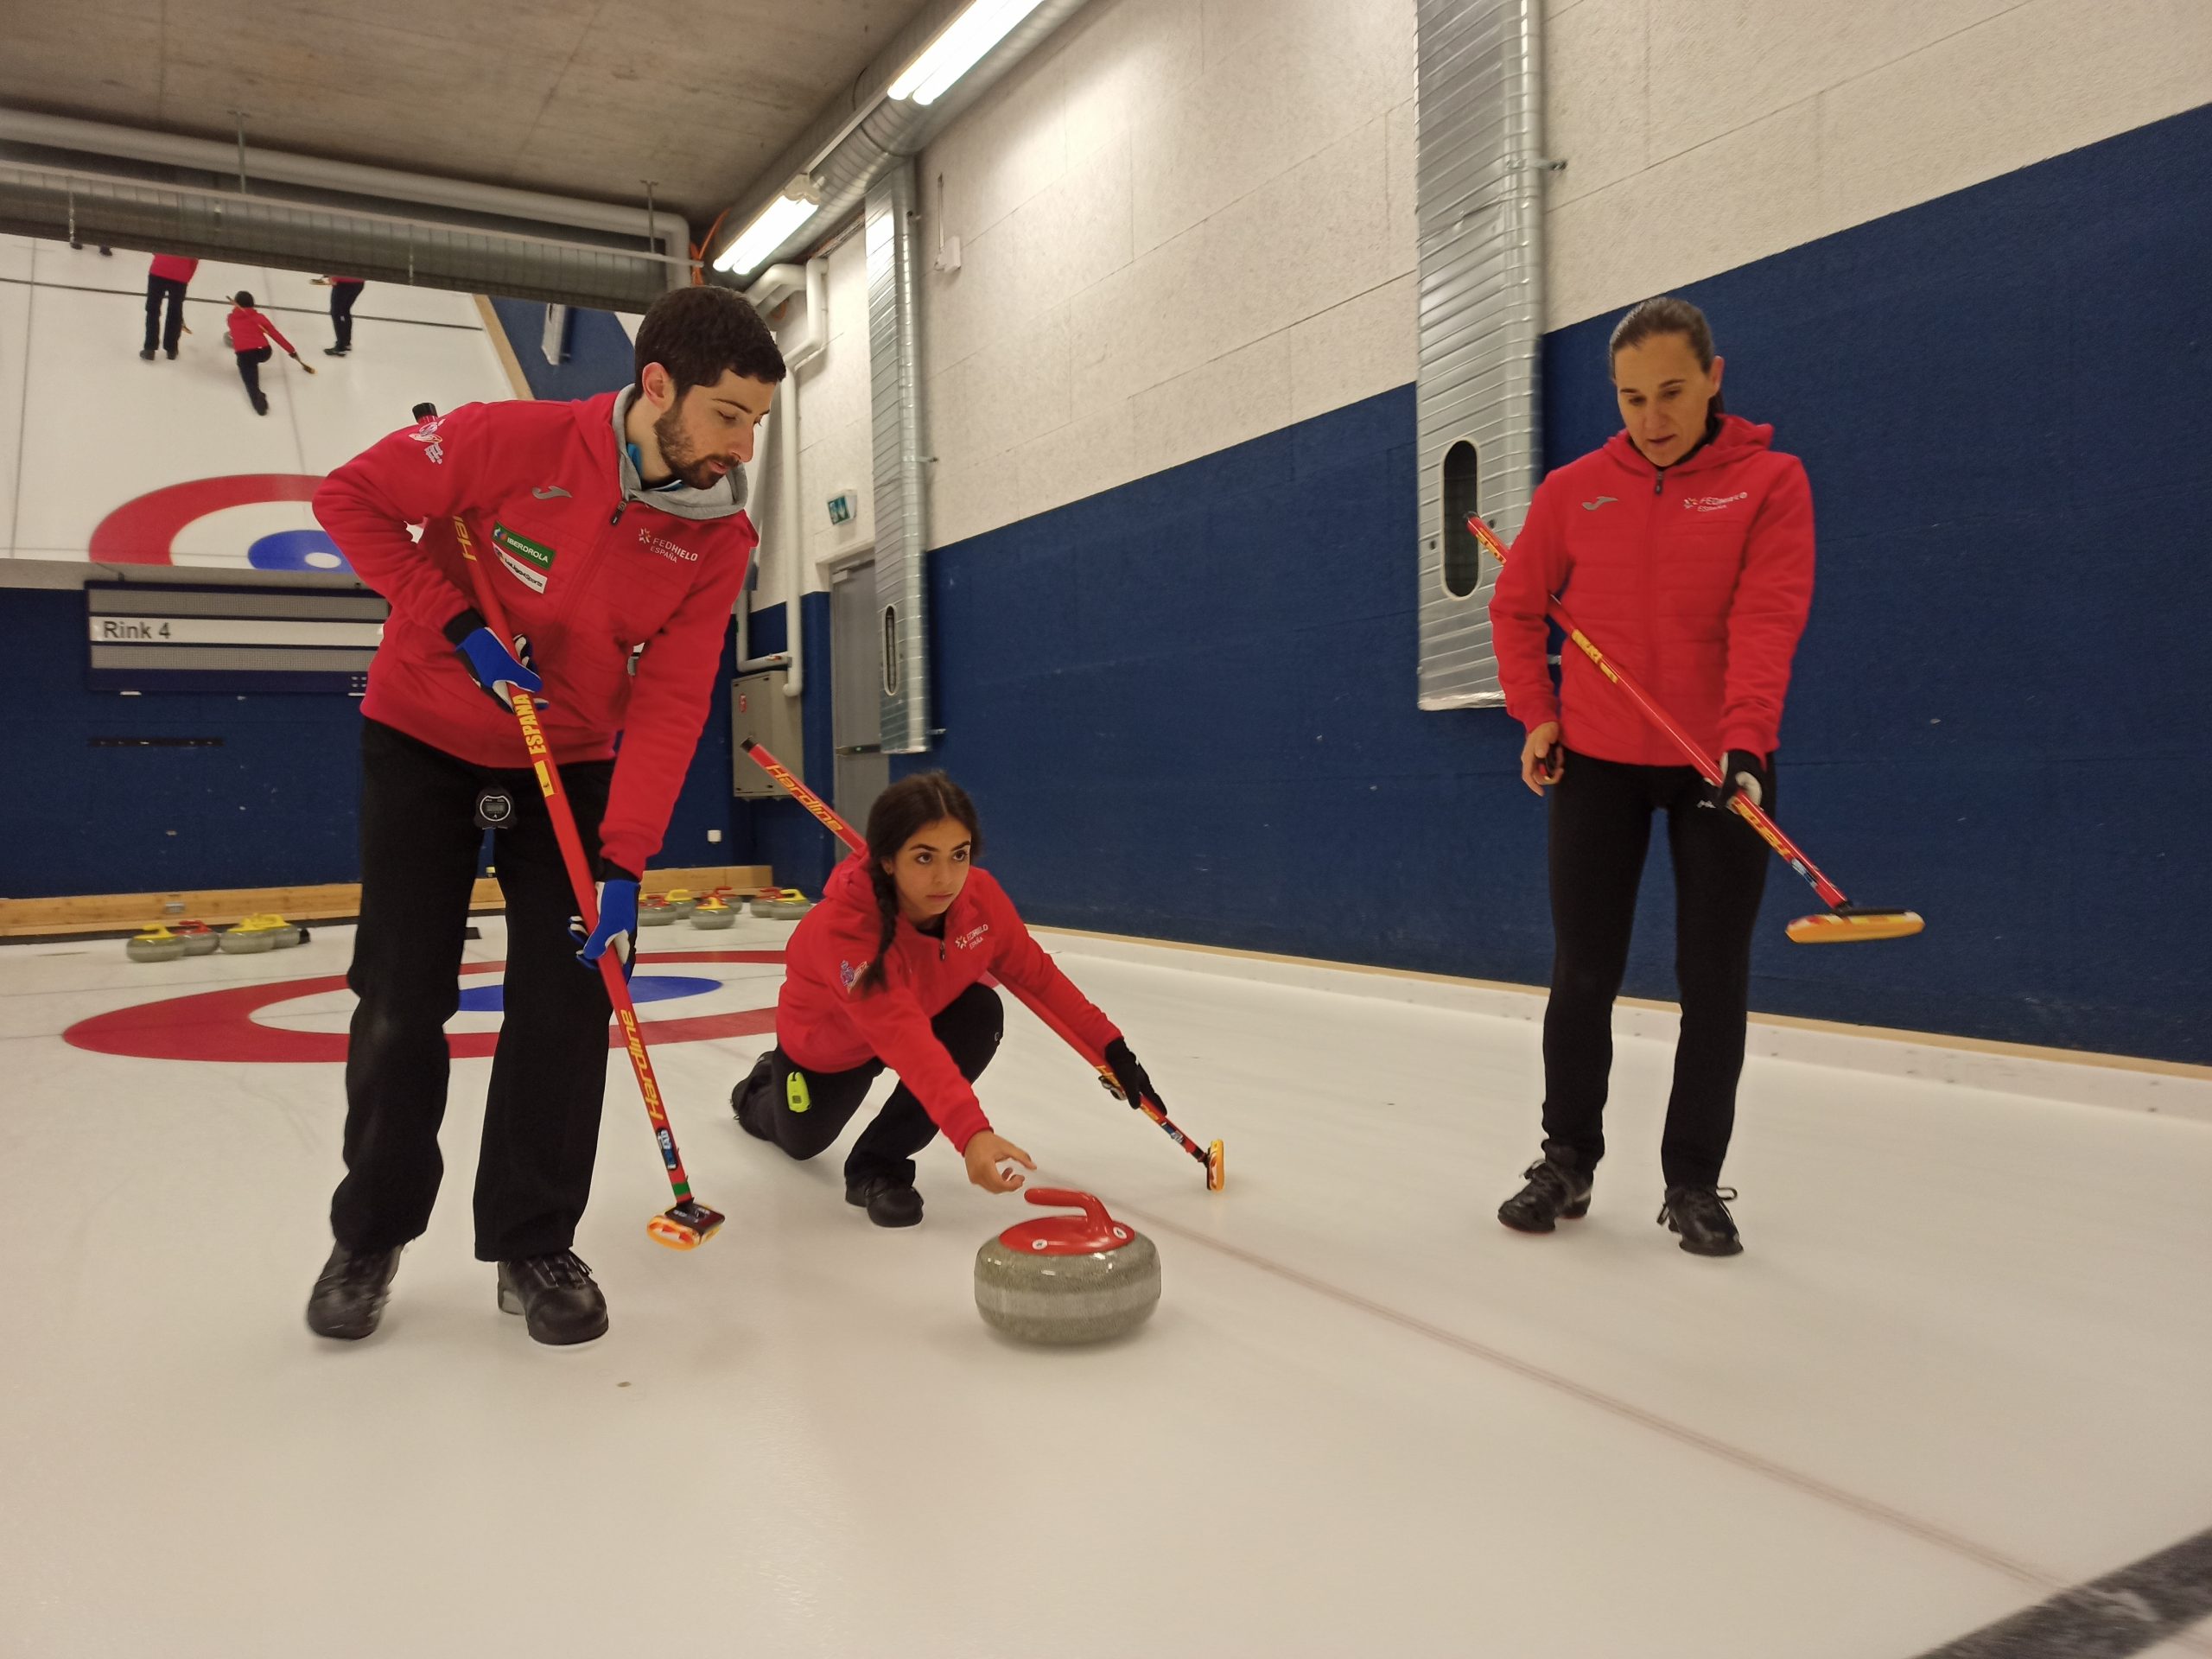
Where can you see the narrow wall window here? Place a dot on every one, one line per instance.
(1463, 554)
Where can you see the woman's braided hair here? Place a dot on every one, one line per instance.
(901, 812)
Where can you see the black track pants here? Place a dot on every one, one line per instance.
(342, 295)
(158, 335)
(250, 370)
(1600, 827)
(419, 839)
(807, 1110)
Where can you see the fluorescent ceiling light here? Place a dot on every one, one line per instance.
(954, 53)
(766, 234)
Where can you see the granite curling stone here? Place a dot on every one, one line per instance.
(1067, 1279)
(682, 901)
(781, 904)
(265, 932)
(158, 945)
(712, 912)
(200, 939)
(655, 911)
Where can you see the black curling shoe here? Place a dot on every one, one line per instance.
(555, 1296)
(1555, 1188)
(349, 1296)
(889, 1201)
(1700, 1215)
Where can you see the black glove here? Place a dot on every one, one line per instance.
(1744, 771)
(1128, 1076)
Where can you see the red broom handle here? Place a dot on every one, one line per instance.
(579, 873)
(1708, 767)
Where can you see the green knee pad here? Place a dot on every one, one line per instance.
(795, 1092)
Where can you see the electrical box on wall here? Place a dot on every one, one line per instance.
(760, 711)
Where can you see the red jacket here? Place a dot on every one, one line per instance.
(826, 1024)
(173, 267)
(250, 331)
(1696, 578)
(587, 575)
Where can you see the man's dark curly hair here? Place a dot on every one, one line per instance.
(697, 332)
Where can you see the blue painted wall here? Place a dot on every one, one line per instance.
(275, 805)
(600, 356)
(1186, 706)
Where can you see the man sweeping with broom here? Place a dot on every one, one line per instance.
(615, 533)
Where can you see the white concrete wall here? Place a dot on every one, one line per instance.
(1701, 135)
(836, 451)
(1184, 223)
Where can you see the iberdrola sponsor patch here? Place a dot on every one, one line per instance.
(529, 563)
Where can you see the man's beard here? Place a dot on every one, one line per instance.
(676, 450)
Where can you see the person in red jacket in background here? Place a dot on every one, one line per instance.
(615, 532)
(249, 333)
(888, 970)
(1685, 546)
(165, 280)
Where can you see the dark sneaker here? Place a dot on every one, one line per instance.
(170, 353)
(146, 356)
(335, 351)
(555, 1296)
(889, 1201)
(260, 404)
(1555, 1188)
(1700, 1215)
(349, 1297)
(752, 1099)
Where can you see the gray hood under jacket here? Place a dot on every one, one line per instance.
(724, 499)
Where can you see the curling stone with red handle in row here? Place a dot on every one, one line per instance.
(1066, 1279)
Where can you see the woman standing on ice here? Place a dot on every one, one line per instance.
(1687, 544)
(887, 970)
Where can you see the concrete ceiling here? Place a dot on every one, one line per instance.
(584, 98)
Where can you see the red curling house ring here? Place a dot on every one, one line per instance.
(220, 1026)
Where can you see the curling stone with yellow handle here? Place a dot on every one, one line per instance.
(157, 943)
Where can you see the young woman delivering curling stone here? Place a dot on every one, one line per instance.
(1685, 546)
(887, 970)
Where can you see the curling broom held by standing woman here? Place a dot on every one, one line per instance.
(1686, 545)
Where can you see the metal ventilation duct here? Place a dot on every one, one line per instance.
(1478, 188)
(895, 381)
(264, 230)
(74, 145)
(863, 132)
(859, 151)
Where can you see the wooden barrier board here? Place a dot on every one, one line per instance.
(129, 913)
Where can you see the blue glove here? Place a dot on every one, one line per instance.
(618, 923)
(496, 666)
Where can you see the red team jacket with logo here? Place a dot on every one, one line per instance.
(827, 1024)
(1696, 578)
(585, 575)
(252, 330)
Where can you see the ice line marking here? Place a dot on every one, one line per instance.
(1927, 1531)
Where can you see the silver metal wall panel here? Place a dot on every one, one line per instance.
(1478, 184)
(895, 386)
